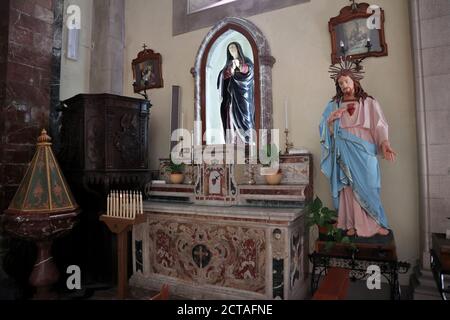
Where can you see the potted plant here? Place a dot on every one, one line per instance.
(326, 221)
(176, 172)
(272, 176)
(323, 217)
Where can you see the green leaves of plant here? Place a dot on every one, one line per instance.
(320, 215)
(325, 217)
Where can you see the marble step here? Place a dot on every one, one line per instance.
(427, 281)
(419, 296)
(426, 289)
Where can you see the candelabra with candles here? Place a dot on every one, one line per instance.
(123, 210)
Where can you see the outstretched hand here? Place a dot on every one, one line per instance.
(388, 153)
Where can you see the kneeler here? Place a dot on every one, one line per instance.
(334, 286)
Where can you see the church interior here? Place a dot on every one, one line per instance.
(323, 173)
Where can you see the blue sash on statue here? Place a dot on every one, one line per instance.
(348, 160)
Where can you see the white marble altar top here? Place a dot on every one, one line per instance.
(236, 212)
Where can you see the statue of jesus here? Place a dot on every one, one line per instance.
(353, 131)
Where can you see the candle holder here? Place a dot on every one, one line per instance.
(182, 146)
(190, 175)
(250, 173)
(289, 145)
(123, 210)
(121, 226)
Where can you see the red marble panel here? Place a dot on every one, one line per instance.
(23, 74)
(25, 6)
(43, 44)
(14, 173)
(25, 54)
(21, 35)
(21, 20)
(26, 41)
(25, 135)
(48, 4)
(18, 153)
(8, 193)
(226, 255)
(30, 95)
(43, 14)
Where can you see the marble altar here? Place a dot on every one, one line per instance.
(238, 242)
(213, 252)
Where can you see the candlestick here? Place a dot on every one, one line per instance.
(192, 147)
(182, 120)
(289, 145)
(369, 45)
(286, 114)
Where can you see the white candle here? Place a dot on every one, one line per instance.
(130, 212)
(192, 147)
(342, 44)
(286, 113)
(133, 206)
(182, 120)
(120, 204)
(107, 205)
(116, 200)
(113, 202)
(141, 205)
(125, 203)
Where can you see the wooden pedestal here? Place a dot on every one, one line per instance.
(121, 226)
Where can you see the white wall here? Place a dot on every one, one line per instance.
(75, 74)
(300, 42)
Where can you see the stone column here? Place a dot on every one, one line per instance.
(27, 40)
(25, 76)
(108, 39)
(430, 22)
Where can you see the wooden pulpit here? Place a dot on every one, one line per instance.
(104, 146)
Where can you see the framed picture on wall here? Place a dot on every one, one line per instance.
(147, 71)
(358, 31)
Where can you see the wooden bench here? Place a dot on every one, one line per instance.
(334, 286)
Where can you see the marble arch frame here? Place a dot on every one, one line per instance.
(263, 89)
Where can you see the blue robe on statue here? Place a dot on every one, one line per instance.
(349, 161)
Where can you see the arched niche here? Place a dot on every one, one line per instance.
(210, 60)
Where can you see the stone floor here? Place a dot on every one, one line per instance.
(357, 291)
